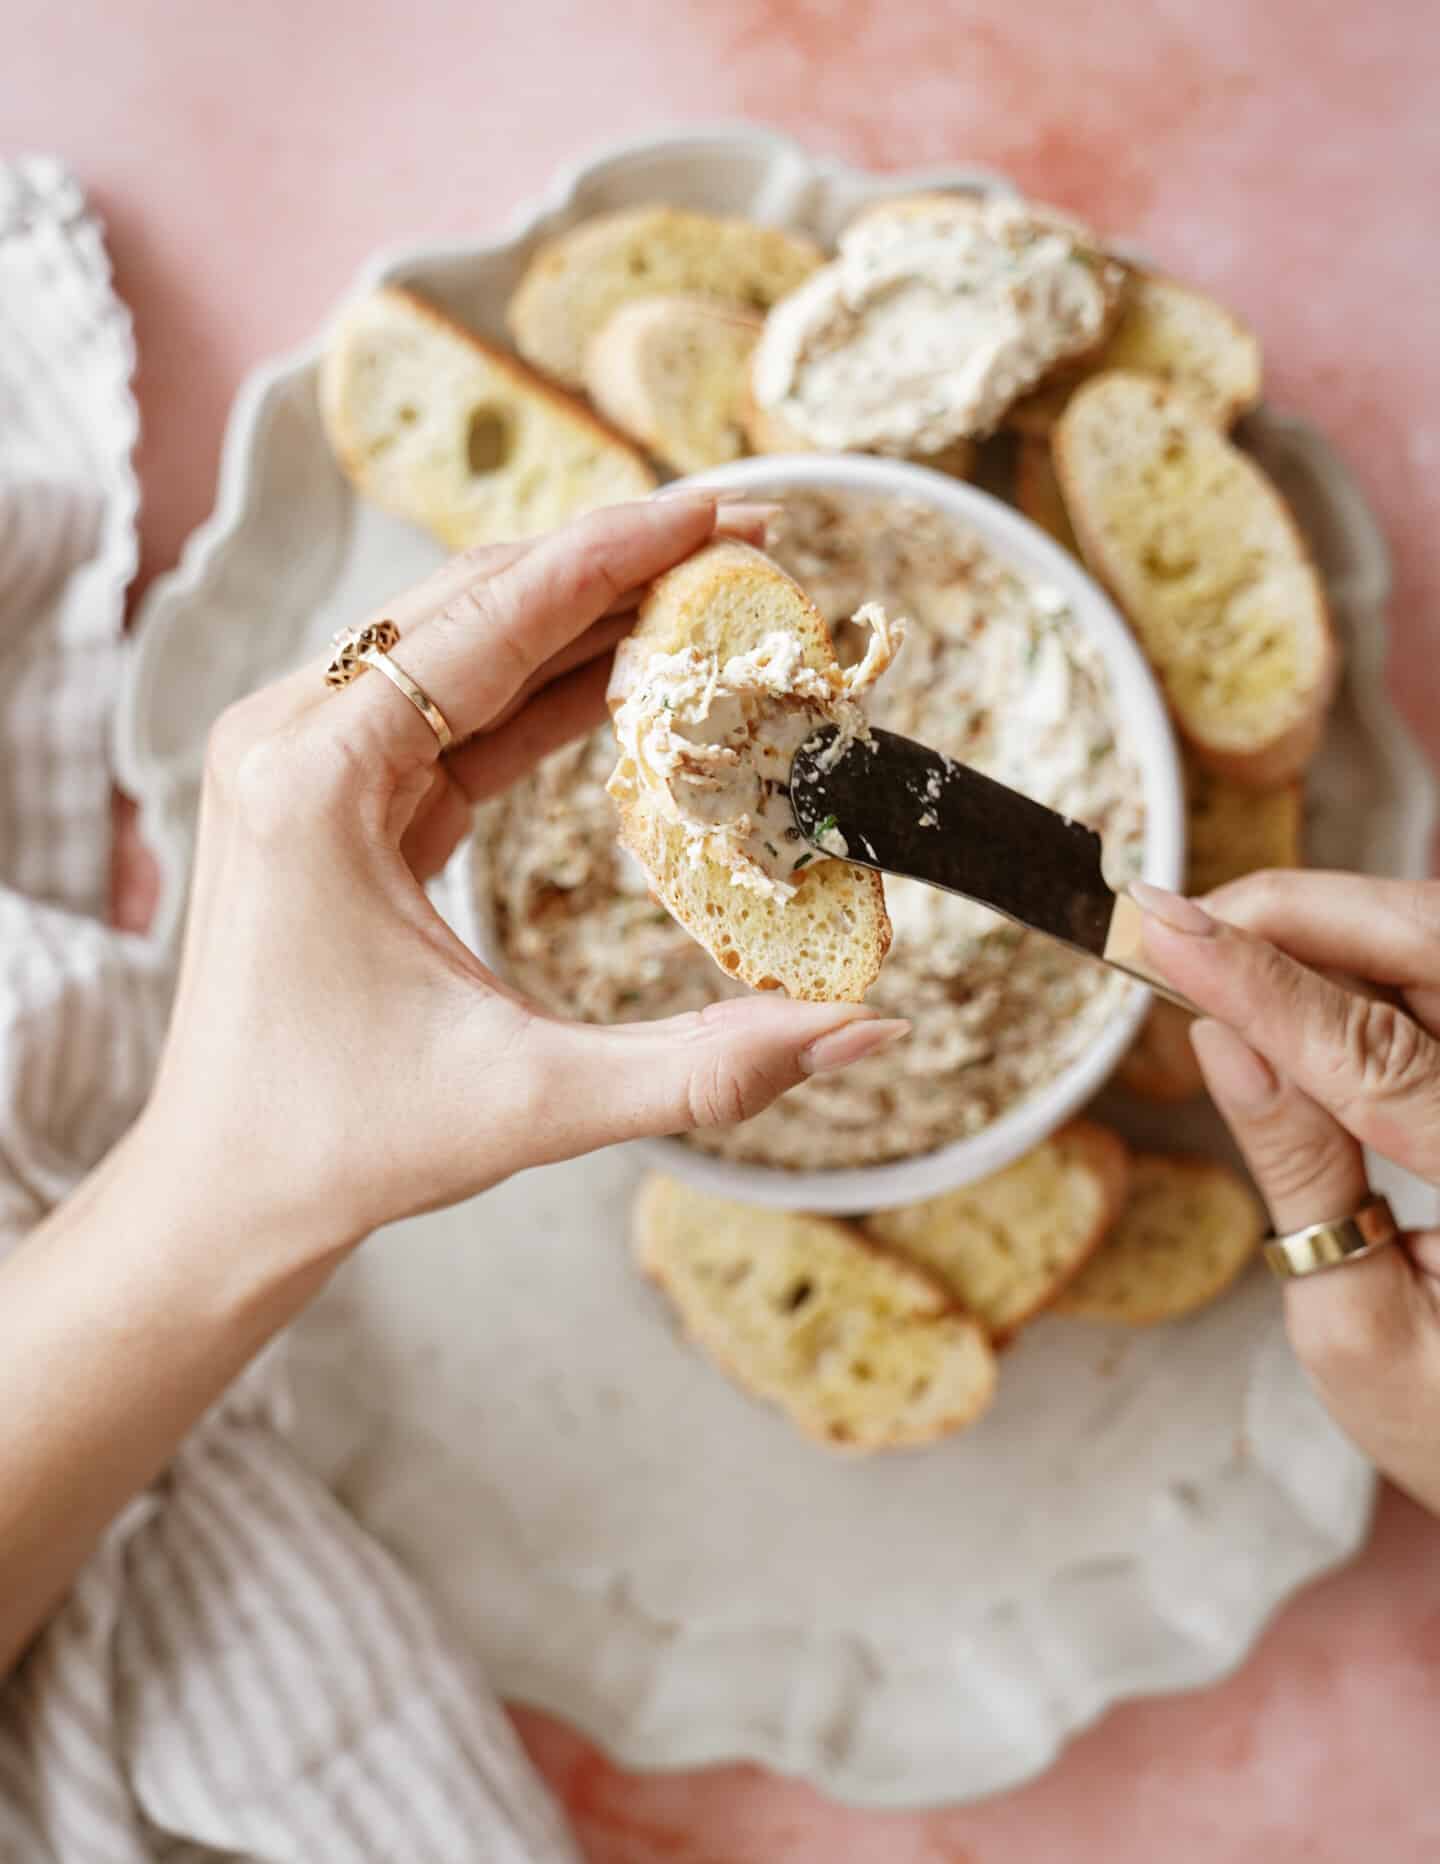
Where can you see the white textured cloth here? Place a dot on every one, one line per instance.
(240, 1672)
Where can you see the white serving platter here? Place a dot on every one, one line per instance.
(629, 1541)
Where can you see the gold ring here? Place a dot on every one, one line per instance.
(358, 648)
(350, 643)
(1324, 1245)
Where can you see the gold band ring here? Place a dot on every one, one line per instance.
(358, 648)
(1325, 1245)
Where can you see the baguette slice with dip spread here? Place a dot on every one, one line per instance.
(813, 926)
(1174, 333)
(1189, 1228)
(671, 371)
(1199, 550)
(861, 1349)
(440, 427)
(577, 281)
(1006, 1245)
(936, 315)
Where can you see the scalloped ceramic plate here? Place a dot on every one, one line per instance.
(630, 1542)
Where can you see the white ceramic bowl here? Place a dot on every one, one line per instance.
(1145, 732)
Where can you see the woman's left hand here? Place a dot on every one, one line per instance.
(337, 1058)
(334, 1046)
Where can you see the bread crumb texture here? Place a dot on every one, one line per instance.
(861, 1349)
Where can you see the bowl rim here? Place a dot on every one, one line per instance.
(1151, 743)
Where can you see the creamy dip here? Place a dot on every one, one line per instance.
(710, 746)
(992, 672)
(930, 322)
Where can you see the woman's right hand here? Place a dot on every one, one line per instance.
(1307, 1070)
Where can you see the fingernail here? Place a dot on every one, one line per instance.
(687, 494)
(849, 1044)
(1237, 1074)
(1172, 909)
(748, 510)
(750, 523)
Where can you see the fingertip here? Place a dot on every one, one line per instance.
(850, 1043)
(787, 1022)
(678, 502)
(1174, 911)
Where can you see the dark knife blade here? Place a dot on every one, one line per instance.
(906, 809)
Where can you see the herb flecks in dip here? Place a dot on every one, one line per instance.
(992, 673)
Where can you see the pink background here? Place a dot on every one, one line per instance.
(1287, 154)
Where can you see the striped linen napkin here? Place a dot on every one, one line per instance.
(240, 1672)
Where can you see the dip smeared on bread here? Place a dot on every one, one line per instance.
(938, 313)
(729, 669)
(996, 1011)
(711, 745)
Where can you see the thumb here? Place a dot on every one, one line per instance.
(712, 1067)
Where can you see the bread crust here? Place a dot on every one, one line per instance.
(617, 382)
(1281, 756)
(1105, 1158)
(1088, 1296)
(454, 527)
(655, 1211)
(577, 278)
(1036, 414)
(709, 602)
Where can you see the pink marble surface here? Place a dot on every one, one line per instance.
(1287, 154)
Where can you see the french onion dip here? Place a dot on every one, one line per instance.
(711, 746)
(991, 673)
(930, 322)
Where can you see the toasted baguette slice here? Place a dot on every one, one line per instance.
(1033, 290)
(1174, 333)
(1008, 1244)
(825, 944)
(860, 1348)
(1188, 1229)
(1160, 1064)
(1201, 553)
(1232, 831)
(441, 428)
(767, 432)
(1235, 831)
(576, 281)
(1038, 494)
(672, 372)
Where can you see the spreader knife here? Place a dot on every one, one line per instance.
(905, 809)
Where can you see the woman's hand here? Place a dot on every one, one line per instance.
(337, 1056)
(1322, 1068)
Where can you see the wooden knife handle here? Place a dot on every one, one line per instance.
(1124, 950)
